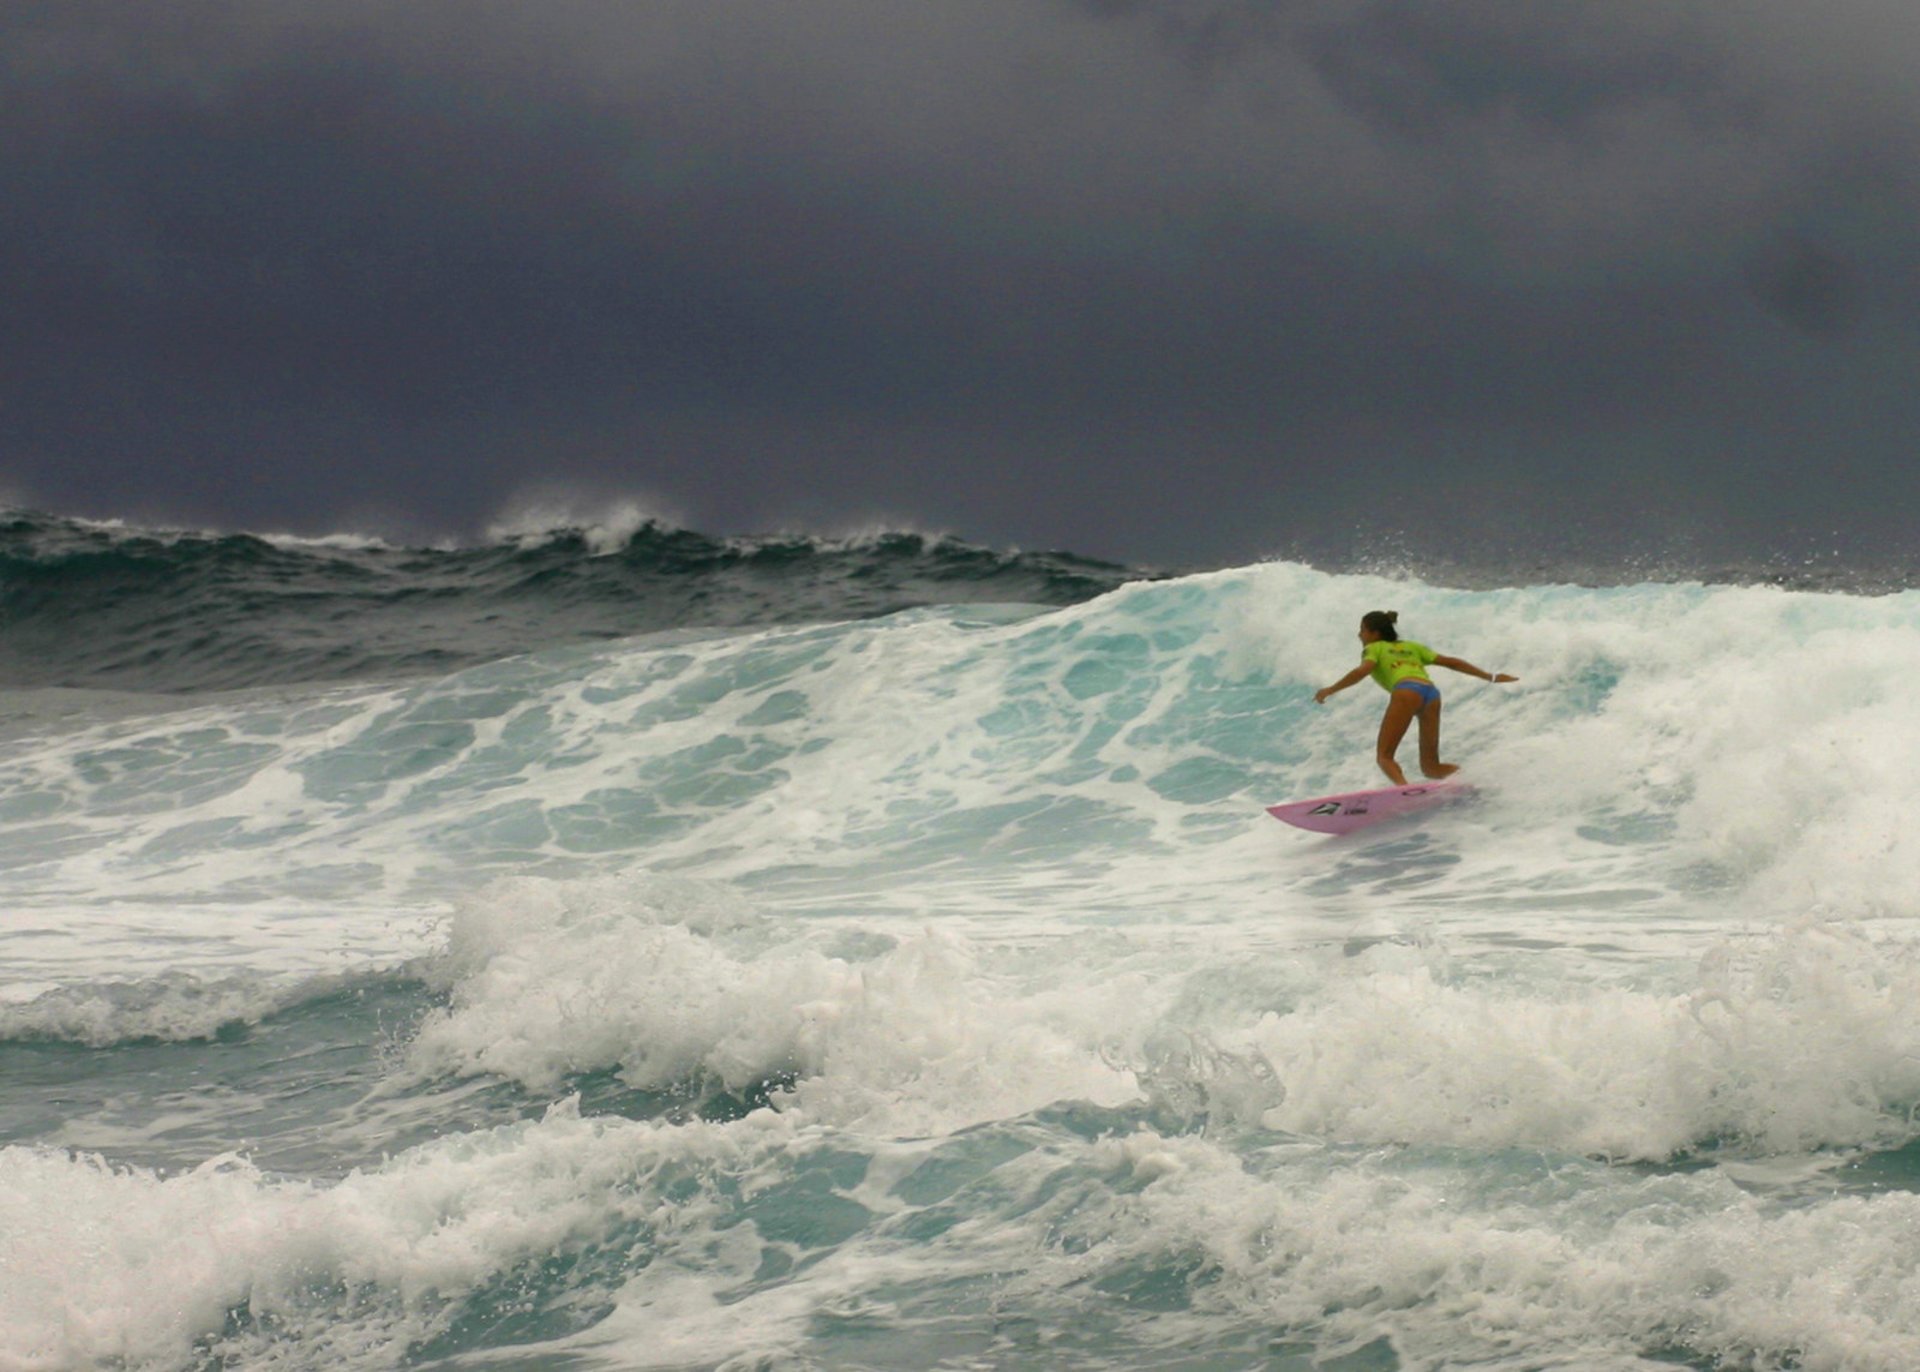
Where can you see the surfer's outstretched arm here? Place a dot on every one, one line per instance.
(1460, 664)
(1353, 678)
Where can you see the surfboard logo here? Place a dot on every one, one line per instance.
(1343, 814)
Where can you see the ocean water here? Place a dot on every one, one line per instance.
(628, 949)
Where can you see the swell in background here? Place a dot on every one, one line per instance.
(86, 604)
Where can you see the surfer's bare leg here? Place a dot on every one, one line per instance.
(1430, 764)
(1393, 727)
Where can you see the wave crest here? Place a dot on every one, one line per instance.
(178, 610)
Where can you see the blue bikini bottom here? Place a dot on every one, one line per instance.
(1426, 690)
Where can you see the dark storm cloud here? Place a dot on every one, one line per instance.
(1150, 279)
(1807, 287)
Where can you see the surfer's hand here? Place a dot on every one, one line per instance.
(1499, 677)
(1320, 696)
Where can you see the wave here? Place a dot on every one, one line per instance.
(1118, 741)
(972, 1133)
(933, 984)
(1779, 1045)
(183, 610)
(174, 1006)
(676, 991)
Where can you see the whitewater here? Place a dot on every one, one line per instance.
(407, 961)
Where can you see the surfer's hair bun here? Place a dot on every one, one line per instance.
(1382, 622)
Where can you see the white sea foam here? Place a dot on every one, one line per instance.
(1540, 1262)
(101, 1263)
(605, 524)
(1539, 1266)
(119, 530)
(850, 535)
(173, 1006)
(1803, 1042)
(549, 980)
(1774, 1045)
(342, 542)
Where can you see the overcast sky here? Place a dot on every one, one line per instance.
(1173, 280)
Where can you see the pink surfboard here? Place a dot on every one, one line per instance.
(1343, 814)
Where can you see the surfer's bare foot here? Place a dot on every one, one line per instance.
(1441, 770)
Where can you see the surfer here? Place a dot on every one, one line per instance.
(1400, 666)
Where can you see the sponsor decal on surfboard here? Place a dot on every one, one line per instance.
(1356, 809)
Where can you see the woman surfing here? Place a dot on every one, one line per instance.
(1400, 666)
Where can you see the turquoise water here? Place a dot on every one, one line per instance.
(930, 990)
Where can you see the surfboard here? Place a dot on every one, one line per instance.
(1342, 814)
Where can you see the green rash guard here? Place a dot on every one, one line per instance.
(1394, 663)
